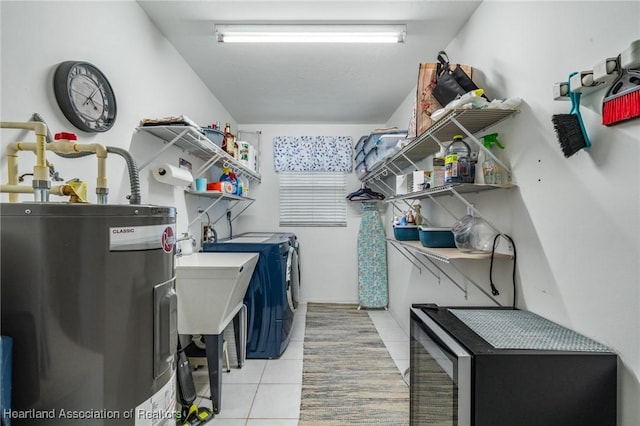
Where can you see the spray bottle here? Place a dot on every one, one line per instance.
(487, 170)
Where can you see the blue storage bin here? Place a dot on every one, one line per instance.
(359, 157)
(406, 232)
(390, 141)
(214, 135)
(436, 237)
(376, 139)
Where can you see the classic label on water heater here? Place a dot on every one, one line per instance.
(129, 238)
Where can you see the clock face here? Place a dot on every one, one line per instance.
(85, 96)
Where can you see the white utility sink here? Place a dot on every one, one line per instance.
(210, 288)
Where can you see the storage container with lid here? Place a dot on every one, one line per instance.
(360, 145)
(371, 158)
(386, 138)
(361, 170)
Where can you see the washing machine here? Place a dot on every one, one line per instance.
(269, 298)
(293, 263)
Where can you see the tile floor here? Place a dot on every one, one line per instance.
(267, 392)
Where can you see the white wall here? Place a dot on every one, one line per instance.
(575, 221)
(149, 77)
(328, 254)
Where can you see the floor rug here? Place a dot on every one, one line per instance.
(348, 376)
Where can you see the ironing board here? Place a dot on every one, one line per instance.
(372, 259)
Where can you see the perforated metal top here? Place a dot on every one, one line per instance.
(515, 329)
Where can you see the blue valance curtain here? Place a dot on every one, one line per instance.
(313, 153)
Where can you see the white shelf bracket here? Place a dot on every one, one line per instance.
(442, 206)
(472, 207)
(164, 148)
(379, 188)
(399, 171)
(217, 200)
(475, 284)
(241, 210)
(378, 179)
(415, 167)
(207, 165)
(396, 207)
(440, 144)
(406, 253)
(443, 272)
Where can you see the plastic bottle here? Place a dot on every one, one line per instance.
(228, 141)
(478, 172)
(437, 175)
(491, 171)
(457, 162)
(417, 208)
(411, 219)
(227, 130)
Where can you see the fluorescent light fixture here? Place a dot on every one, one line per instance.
(310, 33)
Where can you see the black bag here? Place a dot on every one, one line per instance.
(451, 83)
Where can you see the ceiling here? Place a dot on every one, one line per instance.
(320, 83)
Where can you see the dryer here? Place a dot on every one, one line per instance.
(268, 299)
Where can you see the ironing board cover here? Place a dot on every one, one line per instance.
(372, 259)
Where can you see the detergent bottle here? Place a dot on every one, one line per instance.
(230, 178)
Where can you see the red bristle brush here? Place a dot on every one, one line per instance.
(622, 101)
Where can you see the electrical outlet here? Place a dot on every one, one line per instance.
(205, 232)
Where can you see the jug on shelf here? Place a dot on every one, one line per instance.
(473, 234)
(457, 162)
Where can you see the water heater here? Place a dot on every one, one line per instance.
(88, 298)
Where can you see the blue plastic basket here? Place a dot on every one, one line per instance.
(405, 233)
(436, 237)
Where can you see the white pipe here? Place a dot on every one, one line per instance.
(59, 146)
(16, 189)
(67, 147)
(40, 170)
(38, 127)
(61, 190)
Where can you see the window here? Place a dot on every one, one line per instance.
(312, 199)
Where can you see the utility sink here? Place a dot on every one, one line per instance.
(210, 288)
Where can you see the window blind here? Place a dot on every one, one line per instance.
(312, 199)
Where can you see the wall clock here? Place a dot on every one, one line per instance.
(85, 96)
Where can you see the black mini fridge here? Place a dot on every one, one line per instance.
(506, 367)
